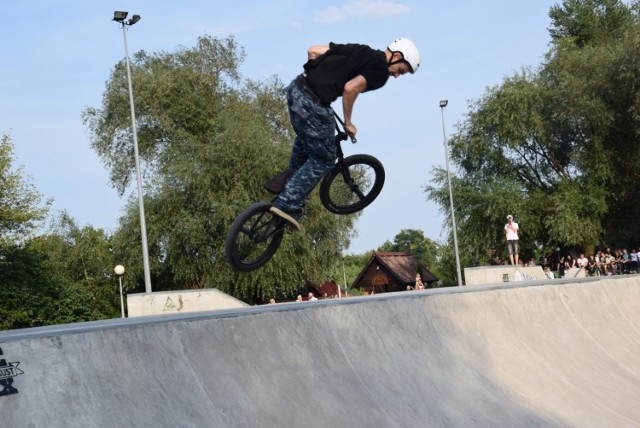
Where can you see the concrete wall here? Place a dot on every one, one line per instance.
(563, 353)
(483, 275)
(171, 302)
(502, 273)
(575, 273)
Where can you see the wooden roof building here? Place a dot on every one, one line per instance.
(392, 271)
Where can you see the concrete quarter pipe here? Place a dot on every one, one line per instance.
(528, 354)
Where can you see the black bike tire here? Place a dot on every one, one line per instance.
(238, 228)
(336, 174)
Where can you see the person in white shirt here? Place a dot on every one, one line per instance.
(548, 273)
(511, 230)
(582, 261)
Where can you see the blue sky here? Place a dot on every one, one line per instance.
(57, 57)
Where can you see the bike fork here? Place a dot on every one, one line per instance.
(353, 186)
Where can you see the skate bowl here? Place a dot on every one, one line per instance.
(555, 353)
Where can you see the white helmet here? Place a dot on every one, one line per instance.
(408, 50)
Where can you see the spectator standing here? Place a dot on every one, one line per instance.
(511, 231)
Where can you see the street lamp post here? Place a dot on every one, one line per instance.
(120, 17)
(344, 274)
(443, 104)
(119, 270)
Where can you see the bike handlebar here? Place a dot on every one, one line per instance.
(342, 134)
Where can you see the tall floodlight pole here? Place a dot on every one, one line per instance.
(443, 104)
(120, 17)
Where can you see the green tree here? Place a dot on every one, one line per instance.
(84, 256)
(34, 293)
(353, 265)
(446, 269)
(597, 113)
(21, 207)
(414, 242)
(208, 141)
(582, 22)
(62, 276)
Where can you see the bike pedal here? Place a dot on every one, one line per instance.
(286, 217)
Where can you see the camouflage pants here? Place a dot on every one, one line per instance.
(314, 150)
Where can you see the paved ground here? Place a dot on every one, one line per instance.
(565, 354)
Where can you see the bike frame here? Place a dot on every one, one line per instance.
(342, 136)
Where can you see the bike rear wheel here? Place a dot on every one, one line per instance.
(352, 185)
(254, 237)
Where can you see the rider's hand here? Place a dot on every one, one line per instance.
(351, 129)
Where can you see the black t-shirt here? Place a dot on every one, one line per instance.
(328, 73)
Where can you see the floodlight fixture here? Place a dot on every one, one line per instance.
(120, 16)
(133, 20)
(443, 103)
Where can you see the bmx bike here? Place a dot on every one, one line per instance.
(350, 185)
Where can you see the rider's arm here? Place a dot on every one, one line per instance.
(315, 51)
(351, 90)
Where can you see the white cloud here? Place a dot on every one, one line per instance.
(375, 8)
(329, 16)
(358, 9)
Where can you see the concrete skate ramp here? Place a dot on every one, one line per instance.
(531, 354)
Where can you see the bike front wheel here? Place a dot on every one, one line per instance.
(254, 237)
(351, 185)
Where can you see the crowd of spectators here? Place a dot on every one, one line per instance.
(602, 262)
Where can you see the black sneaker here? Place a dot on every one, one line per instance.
(277, 183)
(288, 217)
